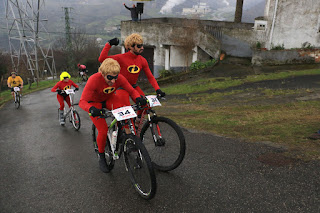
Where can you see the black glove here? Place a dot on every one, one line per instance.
(114, 41)
(76, 89)
(160, 93)
(94, 112)
(141, 101)
(59, 91)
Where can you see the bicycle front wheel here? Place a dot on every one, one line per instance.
(165, 143)
(139, 166)
(75, 119)
(108, 153)
(17, 100)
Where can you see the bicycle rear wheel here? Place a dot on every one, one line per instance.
(165, 143)
(75, 119)
(17, 100)
(139, 166)
(84, 78)
(107, 150)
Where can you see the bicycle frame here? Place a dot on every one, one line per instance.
(116, 125)
(16, 97)
(136, 157)
(150, 112)
(16, 91)
(71, 109)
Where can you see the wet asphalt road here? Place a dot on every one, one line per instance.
(48, 168)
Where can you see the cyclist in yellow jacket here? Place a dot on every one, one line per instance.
(15, 81)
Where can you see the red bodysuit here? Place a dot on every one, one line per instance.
(63, 86)
(131, 66)
(98, 93)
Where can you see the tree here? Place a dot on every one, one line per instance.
(238, 12)
(84, 50)
(4, 67)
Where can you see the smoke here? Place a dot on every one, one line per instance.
(226, 2)
(167, 8)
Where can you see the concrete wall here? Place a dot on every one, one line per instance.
(167, 37)
(296, 22)
(179, 59)
(280, 57)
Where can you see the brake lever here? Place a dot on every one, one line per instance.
(162, 98)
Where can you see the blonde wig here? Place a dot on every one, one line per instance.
(64, 75)
(132, 39)
(109, 67)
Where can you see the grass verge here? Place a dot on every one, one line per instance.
(201, 85)
(286, 124)
(6, 95)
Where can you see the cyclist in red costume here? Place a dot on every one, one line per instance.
(83, 72)
(64, 84)
(99, 93)
(131, 64)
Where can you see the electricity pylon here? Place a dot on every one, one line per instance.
(26, 45)
(68, 37)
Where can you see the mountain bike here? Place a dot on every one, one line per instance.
(83, 76)
(165, 141)
(72, 113)
(136, 158)
(16, 97)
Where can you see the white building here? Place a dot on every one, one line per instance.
(199, 9)
(291, 23)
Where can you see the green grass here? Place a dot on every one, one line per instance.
(6, 95)
(217, 83)
(285, 124)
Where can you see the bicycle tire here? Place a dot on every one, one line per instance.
(168, 152)
(139, 166)
(108, 153)
(17, 100)
(75, 120)
(84, 78)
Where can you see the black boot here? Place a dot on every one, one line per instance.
(102, 163)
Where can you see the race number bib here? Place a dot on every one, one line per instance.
(124, 113)
(16, 89)
(153, 100)
(69, 91)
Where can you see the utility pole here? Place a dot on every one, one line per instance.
(23, 26)
(68, 36)
(238, 12)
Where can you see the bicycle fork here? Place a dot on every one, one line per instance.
(157, 138)
(114, 145)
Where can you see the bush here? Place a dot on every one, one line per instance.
(165, 73)
(201, 65)
(278, 47)
(258, 45)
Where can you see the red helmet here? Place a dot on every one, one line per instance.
(78, 65)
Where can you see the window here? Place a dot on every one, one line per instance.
(260, 24)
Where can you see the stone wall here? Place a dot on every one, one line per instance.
(280, 57)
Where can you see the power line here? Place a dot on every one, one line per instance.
(59, 32)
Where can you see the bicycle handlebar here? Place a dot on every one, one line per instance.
(64, 91)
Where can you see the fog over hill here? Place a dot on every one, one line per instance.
(101, 18)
